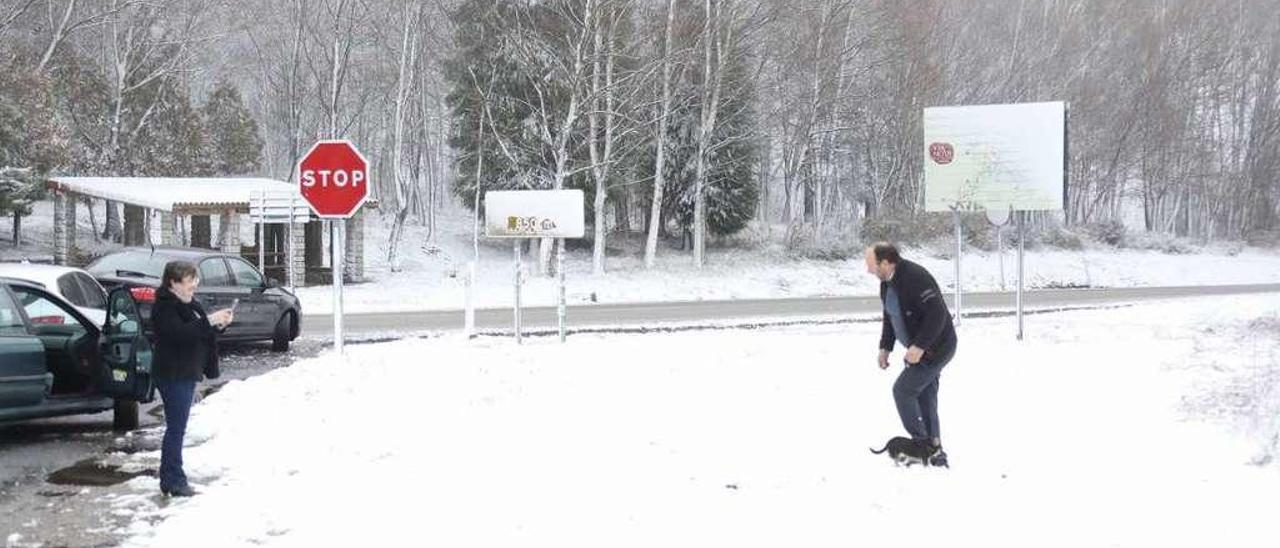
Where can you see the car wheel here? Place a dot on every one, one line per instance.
(125, 416)
(280, 339)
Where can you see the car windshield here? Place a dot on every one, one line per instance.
(130, 263)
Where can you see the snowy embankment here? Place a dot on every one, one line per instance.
(432, 276)
(430, 273)
(1149, 425)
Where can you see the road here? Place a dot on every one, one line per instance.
(601, 315)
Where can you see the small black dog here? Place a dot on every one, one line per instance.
(908, 451)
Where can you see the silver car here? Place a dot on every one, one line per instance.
(72, 284)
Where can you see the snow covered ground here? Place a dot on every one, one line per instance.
(1150, 425)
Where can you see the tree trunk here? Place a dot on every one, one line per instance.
(17, 229)
(111, 229)
(655, 209)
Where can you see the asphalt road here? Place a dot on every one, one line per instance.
(629, 314)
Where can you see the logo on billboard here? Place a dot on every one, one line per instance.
(942, 153)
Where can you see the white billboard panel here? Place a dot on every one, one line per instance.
(995, 157)
(534, 214)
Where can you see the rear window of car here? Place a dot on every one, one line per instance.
(10, 320)
(130, 261)
(70, 289)
(94, 296)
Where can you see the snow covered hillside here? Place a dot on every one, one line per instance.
(431, 272)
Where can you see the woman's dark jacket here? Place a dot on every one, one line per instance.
(186, 343)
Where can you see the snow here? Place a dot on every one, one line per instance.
(1118, 427)
(164, 193)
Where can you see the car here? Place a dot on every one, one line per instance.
(55, 361)
(72, 284)
(263, 309)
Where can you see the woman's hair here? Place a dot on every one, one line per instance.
(177, 271)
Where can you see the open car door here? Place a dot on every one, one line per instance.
(125, 371)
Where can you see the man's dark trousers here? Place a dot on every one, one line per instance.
(916, 394)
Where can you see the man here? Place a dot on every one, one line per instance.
(916, 316)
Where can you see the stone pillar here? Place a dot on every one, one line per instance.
(229, 232)
(297, 255)
(167, 228)
(315, 243)
(353, 259)
(64, 228)
(201, 231)
(134, 225)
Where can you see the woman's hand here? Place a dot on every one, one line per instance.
(222, 318)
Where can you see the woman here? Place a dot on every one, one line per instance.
(185, 350)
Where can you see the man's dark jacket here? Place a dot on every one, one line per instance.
(186, 344)
(924, 312)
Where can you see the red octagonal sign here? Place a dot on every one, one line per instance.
(334, 178)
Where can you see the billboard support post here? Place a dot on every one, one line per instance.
(959, 251)
(525, 214)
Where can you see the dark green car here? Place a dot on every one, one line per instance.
(55, 361)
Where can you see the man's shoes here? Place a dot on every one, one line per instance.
(939, 458)
(180, 491)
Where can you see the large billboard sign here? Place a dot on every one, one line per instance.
(999, 157)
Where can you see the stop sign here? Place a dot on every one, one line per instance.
(334, 178)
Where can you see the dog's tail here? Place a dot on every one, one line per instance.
(882, 449)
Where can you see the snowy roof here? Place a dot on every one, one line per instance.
(170, 193)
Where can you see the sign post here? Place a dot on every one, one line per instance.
(999, 218)
(524, 214)
(334, 179)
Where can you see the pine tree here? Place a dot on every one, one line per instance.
(233, 142)
(173, 144)
(732, 190)
(33, 141)
(486, 92)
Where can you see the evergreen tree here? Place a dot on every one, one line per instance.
(33, 142)
(233, 142)
(494, 75)
(173, 143)
(732, 187)
(485, 84)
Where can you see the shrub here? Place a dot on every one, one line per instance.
(1111, 233)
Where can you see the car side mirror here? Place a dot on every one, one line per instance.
(272, 284)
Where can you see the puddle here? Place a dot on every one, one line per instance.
(90, 472)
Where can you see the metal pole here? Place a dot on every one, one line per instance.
(288, 249)
(959, 240)
(516, 247)
(560, 269)
(1000, 251)
(337, 236)
(469, 317)
(1020, 215)
(262, 233)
